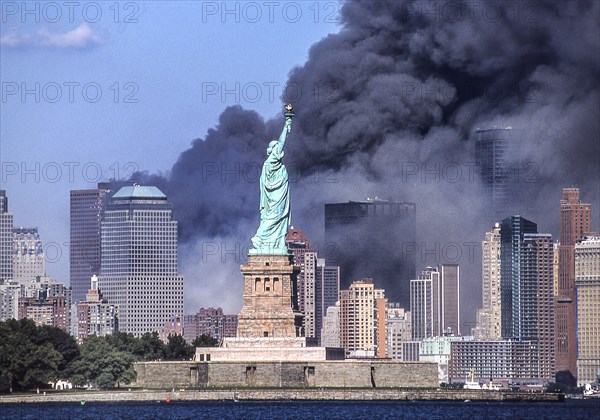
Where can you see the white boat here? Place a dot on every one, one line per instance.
(591, 391)
(471, 384)
(491, 386)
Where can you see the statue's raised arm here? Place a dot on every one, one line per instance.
(275, 216)
(287, 128)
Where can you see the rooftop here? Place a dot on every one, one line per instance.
(139, 192)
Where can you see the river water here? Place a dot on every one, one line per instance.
(570, 409)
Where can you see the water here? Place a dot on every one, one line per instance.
(571, 409)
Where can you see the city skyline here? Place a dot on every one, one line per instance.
(145, 294)
(390, 122)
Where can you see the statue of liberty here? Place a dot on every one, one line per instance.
(275, 215)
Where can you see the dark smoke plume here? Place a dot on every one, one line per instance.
(403, 85)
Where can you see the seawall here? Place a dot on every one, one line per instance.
(290, 374)
(281, 395)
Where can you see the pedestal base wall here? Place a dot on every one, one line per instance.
(348, 373)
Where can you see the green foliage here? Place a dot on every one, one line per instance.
(31, 356)
(121, 341)
(205, 341)
(105, 380)
(102, 364)
(62, 342)
(151, 347)
(78, 380)
(148, 347)
(178, 349)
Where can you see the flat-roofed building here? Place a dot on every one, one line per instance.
(587, 280)
(496, 360)
(362, 318)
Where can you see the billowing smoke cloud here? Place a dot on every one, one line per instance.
(387, 107)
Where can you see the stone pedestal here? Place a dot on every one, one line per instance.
(270, 300)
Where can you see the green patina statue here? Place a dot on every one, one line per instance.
(275, 215)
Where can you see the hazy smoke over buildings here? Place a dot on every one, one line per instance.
(387, 108)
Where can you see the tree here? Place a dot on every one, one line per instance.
(178, 349)
(40, 366)
(125, 342)
(62, 342)
(148, 347)
(79, 380)
(27, 359)
(205, 341)
(151, 347)
(105, 380)
(102, 365)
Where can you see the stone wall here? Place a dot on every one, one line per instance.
(279, 395)
(326, 374)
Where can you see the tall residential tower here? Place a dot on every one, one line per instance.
(575, 223)
(489, 320)
(363, 320)
(512, 231)
(587, 281)
(6, 239)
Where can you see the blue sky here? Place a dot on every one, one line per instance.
(106, 88)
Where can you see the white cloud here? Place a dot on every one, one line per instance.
(10, 40)
(80, 37)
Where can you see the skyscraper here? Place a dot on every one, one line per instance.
(489, 320)
(536, 306)
(512, 231)
(556, 265)
(450, 299)
(435, 302)
(376, 239)
(299, 244)
(28, 257)
(575, 223)
(587, 281)
(311, 294)
(330, 291)
(6, 239)
(362, 319)
(527, 291)
(87, 209)
(139, 259)
(495, 150)
(424, 304)
(321, 290)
